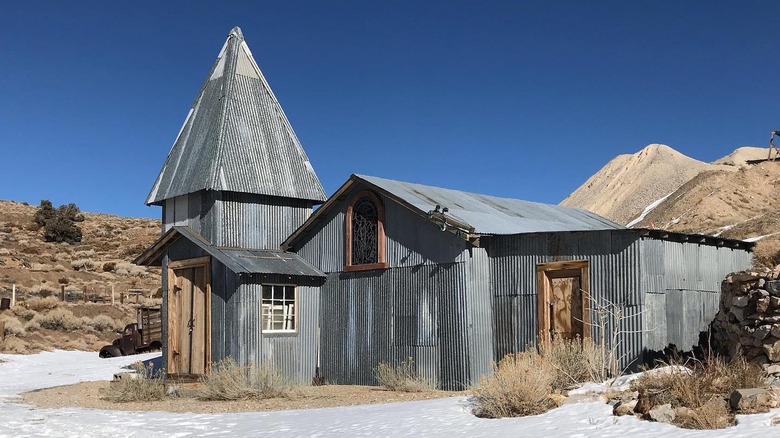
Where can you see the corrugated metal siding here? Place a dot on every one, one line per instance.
(614, 260)
(479, 308)
(417, 312)
(236, 311)
(689, 291)
(410, 239)
(255, 221)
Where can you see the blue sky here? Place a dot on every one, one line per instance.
(515, 99)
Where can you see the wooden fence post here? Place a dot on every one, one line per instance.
(13, 295)
(62, 292)
(85, 294)
(113, 300)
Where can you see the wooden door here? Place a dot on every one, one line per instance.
(564, 308)
(189, 350)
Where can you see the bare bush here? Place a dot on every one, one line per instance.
(82, 264)
(145, 387)
(703, 387)
(12, 325)
(59, 319)
(129, 269)
(401, 377)
(575, 361)
(228, 381)
(13, 345)
(520, 385)
(103, 323)
(40, 304)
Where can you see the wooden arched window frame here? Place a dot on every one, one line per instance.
(354, 210)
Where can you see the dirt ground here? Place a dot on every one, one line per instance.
(88, 395)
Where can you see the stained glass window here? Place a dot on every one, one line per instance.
(365, 225)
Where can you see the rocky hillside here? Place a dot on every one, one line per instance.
(630, 182)
(102, 259)
(660, 188)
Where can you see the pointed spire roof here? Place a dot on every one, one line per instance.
(237, 138)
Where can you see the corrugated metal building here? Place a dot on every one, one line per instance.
(467, 278)
(235, 184)
(387, 270)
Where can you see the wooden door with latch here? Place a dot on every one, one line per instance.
(563, 300)
(189, 331)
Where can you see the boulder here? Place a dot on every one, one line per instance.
(624, 408)
(740, 301)
(661, 414)
(775, 330)
(750, 400)
(762, 332)
(772, 350)
(773, 369)
(773, 287)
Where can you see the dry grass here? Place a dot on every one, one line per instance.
(13, 345)
(520, 385)
(401, 377)
(703, 387)
(575, 361)
(228, 381)
(145, 387)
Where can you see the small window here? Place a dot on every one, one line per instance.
(279, 308)
(365, 233)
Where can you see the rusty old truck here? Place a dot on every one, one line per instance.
(138, 337)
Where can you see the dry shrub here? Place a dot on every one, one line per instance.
(520, 385)
(13, 326)
(145, 387)
(228, 381)
(59, 319)
(575, 361)
(42, 290)
(401, 377)
(129, 269)
(102, 323)
(41, 304)
(13, 345)
(704, 387)
(82, 264)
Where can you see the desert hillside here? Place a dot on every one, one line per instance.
(39, 269)
(102, 259)
(661, 188)
(630, 182)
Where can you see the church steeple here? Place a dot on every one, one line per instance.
(236, 138)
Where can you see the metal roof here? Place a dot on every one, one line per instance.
(490, 214)
(470, 213)
(237, 138)
(238, 260)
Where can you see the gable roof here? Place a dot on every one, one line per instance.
(237, 138)
(238, 260)
(470, 214)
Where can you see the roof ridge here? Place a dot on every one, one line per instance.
(229, 69)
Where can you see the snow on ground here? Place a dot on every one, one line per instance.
(449, 417)
(647, 210)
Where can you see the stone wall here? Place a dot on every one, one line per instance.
(748, 321)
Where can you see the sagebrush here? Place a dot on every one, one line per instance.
(521, 384)
(228, 381)
(401, 377)
(146, 386)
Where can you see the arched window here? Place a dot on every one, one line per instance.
(365, 233)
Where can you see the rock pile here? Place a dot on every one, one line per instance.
(748, 322)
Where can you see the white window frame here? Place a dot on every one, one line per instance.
(289, 310)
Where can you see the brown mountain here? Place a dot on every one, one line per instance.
(729, 198)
